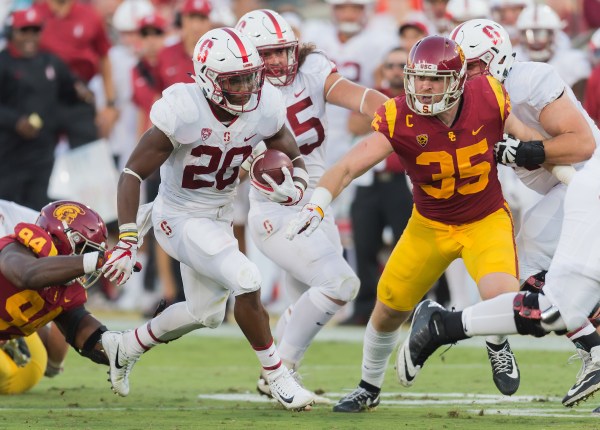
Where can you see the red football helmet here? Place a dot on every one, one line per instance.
(438, 57)
(75, 229)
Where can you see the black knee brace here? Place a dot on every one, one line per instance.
(528, 317)
(89, 347)
(68, 323)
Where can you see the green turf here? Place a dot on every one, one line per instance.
(165, 385)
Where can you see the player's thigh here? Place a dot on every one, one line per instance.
(314, 260)
(492, 248)
(539, 232)
(14, 379)
(205, 298)
(417, 261)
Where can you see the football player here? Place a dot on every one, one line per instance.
(45, 268)
(202, 133)
(319, 281)
(546, 103)
(444, 132)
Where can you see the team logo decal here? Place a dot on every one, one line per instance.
(460, 52)
(206, 132)
(67, 213)
(203, 50)
(422, 139)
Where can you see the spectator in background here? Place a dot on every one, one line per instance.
(464, 10)
(372, 209)
(174, 61)
(542, 39)
(592, 92)
(32, 83)
(410, 33)
(75, 32)
(506, 13)
(436, 13)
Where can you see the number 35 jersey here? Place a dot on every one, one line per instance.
(202, 171)
(452, 168)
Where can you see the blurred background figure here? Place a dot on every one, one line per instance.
(464, 10)
(542, 39)
(437, 14)
(174, 63)
(32, 84)
(381, 208)
(506, 13)
(592, 92)
(410, 33)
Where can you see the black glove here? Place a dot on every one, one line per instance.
(511, 151)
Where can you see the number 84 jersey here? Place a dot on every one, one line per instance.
(202, 171)
(452, 168)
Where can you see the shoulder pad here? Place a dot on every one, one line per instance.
(177, 113)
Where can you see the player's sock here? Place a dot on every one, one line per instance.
(311, 312)
(490, 316)
(495, 339)
(377, 348)
(282, 323)
(585, 337)
(268, 356)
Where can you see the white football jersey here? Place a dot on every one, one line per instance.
(305, 104)
(202, 171)
(531, 87)
(356, 60)
(11, 214)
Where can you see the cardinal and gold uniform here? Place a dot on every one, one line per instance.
(459, 210)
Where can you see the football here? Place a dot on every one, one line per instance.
(270, 162)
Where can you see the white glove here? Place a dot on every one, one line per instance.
(258, 149)
(121, 261)
(287, 193)
(307, 221)
(506, 150)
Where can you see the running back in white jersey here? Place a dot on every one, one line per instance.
(531, 87)
(202, 171)
(11, 214)
(305, 105)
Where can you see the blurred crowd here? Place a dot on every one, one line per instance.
(73, 72)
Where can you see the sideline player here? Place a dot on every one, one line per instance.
(202, 133)
(319, 281)
(444, 132)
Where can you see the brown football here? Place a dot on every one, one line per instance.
(270, 162)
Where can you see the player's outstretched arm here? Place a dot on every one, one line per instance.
(347, 94)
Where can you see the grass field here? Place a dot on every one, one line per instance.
(200, 382)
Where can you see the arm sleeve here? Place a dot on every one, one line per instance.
(546, 87)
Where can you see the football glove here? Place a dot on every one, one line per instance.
(288, 193)
(120, 261)
(18, 350)
(307, 221)
(258, 149)
(511, 151)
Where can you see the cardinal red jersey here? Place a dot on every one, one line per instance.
(452, 168)
(22, 312)
(173, 66)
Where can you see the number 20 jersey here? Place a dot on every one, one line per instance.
(452, 168)
(202, 171)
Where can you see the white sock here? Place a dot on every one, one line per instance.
(268, 356)
(490, 317)
(282, 324)
(311, 312)
(377, 348)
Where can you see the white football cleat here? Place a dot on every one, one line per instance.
(119, 361)
(287, 391)
(262, 386)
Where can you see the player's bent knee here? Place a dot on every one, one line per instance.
(248, 278)
(347, 290)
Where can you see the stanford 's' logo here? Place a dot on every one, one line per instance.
(203, 50)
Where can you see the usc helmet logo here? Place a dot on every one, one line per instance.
(67, 213)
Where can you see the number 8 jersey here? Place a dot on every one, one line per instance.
(451, 167)
(202, 171)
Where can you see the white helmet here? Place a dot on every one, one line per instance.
(504, 3)
(269, 31)
(352, 27)
(129, 13)
(538, 24)
(229, 70)
(487, 41)
(464, 10)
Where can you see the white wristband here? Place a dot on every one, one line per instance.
(321, 197)
(90, 261)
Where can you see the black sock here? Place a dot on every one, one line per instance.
(588, 341)
(453, 326)
(369, 387)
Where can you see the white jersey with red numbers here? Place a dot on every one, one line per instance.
(356, 60)
(317, 260)
(532, 86)
(11, 214)
(202, 171)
